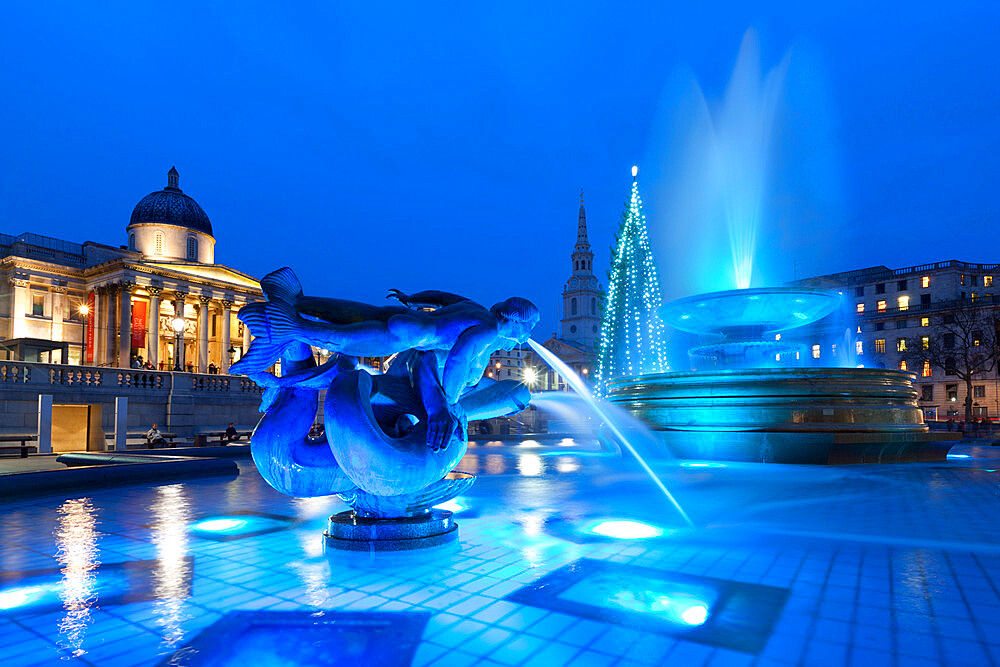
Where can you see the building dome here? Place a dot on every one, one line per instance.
(170, 206)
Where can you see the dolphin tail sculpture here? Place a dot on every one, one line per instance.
(286, 457)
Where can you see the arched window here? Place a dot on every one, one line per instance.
(158, 243)
(572, 305)
(131, 241)
(192, 250)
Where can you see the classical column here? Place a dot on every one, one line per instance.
(153, 326)
(125, 324)
(227, 316)
(58, 334)
(204, 300)
(178, 337)
(111, 326)
(18, 304)
(95, 319)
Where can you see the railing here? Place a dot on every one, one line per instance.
(19, 375)
(877, 272)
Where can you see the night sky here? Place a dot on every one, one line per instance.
(372, 146)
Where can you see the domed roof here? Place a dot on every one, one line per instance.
(170, 206)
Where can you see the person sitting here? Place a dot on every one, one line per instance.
(154, 438)
(212, 368)
(231, 434)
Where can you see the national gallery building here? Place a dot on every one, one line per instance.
(161, 297)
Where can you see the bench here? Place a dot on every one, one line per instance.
(205, 438)
(137, 440)
(23, 448)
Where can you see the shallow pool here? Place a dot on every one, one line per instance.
(567, 556)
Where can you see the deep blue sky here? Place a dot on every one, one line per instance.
(376, 146)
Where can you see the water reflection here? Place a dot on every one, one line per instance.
(530, 465)
(173, 569)
(78, 554)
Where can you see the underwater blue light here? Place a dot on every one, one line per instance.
(26, 596)
(219, 525)
(455, 505)
(695, 614)
(702, 464)
(624, 529)
(958, 456)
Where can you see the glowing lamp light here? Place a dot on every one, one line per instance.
(702, 464)
(625, 529)
(85, 310)
(958, 456)
(219, 525)
(635, 171)
(178, 324)
(530, 376)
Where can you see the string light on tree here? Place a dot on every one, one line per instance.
(631, 341)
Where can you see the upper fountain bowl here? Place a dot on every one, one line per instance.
(765, 310)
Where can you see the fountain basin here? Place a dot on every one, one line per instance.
(785, 415)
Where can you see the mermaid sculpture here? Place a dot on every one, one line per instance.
(391, 438)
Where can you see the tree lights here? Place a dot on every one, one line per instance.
(631, 341)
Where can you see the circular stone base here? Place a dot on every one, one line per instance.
(350, 532)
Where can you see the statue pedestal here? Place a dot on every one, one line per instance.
(349, 532)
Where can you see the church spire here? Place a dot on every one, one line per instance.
(582, 244)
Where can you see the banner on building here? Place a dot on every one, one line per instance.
(139, 324)
(91, 316)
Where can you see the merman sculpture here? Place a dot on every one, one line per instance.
(392, 438)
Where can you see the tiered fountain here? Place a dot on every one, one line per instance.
(750, 397)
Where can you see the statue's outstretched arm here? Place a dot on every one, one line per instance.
(426, 299)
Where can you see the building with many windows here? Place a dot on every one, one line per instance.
(917, 306)
(161, 297)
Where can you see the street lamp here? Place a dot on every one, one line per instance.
(232, 353)
(85, 311)
(178, 324)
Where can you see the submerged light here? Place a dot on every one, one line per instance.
(455, 505)
(958, 456)
(702, 464)
(625, 529)
(219, 525)
(23, 596)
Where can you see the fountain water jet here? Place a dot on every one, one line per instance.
(578, 385)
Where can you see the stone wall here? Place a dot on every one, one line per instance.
(182, 403)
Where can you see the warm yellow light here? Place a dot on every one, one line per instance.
(530, 376)
(178, 324)
(498, 364)
(85, 310)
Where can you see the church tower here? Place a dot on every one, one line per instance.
(581, 321)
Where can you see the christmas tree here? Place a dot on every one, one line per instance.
(631, 341)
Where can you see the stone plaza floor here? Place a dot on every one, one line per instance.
(567, 556)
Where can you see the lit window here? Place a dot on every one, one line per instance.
(902, 364)
(833, 349)
(859, 347)
(925, 281)
(38, 305)
(158, 244)
(880, 346)
(926, 370)
(815, 351)
(987, 281)
(973, 296)
(904, 302)
(979, 391)
(861, 307)
(900, 345)
(192, 253)
(925, 342)
(977, 338)
(925, 321)
(881, 306)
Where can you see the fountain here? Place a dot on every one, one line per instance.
(750, 395)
